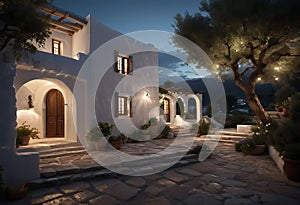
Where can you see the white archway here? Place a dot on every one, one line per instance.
(36, 116)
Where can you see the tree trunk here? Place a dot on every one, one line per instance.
(254, 103)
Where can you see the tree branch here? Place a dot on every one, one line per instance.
(283, 52)
(246, 70)
(237, 76)
(251, 55)
(228, 50)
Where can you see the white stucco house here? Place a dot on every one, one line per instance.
(45, 86)
(180, 106)
(45, 83)
(49, 80)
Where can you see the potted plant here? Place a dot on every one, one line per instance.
(287, 140)
(117, 141)
(24, 133)
(248, 146)
(145, 132)
(201, 128)
(95, 138)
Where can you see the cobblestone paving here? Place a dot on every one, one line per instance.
(229, 178)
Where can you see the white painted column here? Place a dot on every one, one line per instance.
(17, 169)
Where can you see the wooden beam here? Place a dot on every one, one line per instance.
(62, 25)
(55, 11)
(70, 33)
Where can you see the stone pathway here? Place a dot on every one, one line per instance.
(228, 177)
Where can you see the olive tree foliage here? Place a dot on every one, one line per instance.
(247, 37)
(23, 24)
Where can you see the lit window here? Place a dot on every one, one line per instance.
(123, 65)
(123, 105)
(56, 49)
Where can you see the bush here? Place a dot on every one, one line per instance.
(261, 132)
(294, 107)
(106, 128)
(286, 139)
(238, 146)
(247, 145)
(237, 117)
(201, 128)
(165, 133)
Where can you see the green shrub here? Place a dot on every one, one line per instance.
(106, 128)
(261, 131)
(238, 146)
(166, 131)
(237, 117)
(153, 121)
(294, 108)
(201, 128)
(247, 145)
(286, 139)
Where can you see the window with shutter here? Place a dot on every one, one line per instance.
(123, 65)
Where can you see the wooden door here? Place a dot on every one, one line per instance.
(167, 109)
(55, 114)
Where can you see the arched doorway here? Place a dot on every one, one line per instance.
(192, 109)
(55, 118)
(179, 107)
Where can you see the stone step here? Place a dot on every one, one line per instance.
(40, 147)
(70, 174)
(223, 138)
(61, 153)
(233, 133)
(61, 149)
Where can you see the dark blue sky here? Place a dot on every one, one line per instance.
(131, 15)
(128, 16)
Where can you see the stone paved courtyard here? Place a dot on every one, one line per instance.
(228, 177)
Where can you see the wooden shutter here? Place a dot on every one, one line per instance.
(116, 104)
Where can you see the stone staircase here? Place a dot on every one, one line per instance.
(230, 136)
(64, 162)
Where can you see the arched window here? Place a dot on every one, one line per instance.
(192, 109)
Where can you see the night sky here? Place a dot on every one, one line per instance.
(132, 15)
(128, 16)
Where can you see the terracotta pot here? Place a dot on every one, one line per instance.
(292, 169)
(25, 140)
(259, 150)
(115, 141)
(14, 193)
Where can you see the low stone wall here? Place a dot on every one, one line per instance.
(276, 158)
(244, 128)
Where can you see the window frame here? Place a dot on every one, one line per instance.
(125, 110)
(121, 61)
(56, 42)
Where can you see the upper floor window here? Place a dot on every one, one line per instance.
(123, 64)
(56, 47)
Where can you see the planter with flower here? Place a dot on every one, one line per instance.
(256, 145)
(97, 137)
(24, 133)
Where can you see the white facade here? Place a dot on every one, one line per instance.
(183, 106)
(59, 72)
(50, 72)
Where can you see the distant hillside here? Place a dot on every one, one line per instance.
(264, 91)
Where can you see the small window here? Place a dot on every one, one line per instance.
(123, 64)
(56, 47)
(123, 106)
